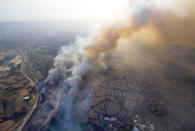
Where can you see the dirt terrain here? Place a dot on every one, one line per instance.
(17, 94)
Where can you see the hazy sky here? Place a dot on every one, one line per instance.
(79, 10)
(59, 10)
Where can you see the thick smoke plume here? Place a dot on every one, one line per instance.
(70, 65)
(151, 26)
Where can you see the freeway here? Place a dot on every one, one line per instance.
(25, 120)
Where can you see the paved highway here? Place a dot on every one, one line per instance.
(24, 121)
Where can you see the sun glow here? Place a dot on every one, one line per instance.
(102, 9)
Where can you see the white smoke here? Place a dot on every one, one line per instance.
(70, 66)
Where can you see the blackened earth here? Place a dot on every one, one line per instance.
(125, 99)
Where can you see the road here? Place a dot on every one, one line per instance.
(25, 120)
